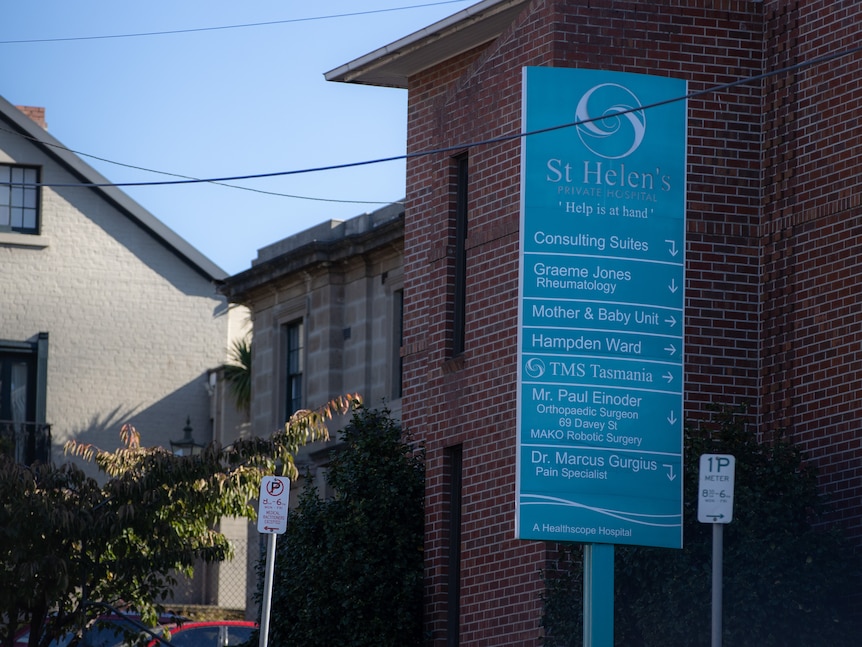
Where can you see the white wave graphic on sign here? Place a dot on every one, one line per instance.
(657, 520)
(614, 123)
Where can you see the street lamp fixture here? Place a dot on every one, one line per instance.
(187, 446)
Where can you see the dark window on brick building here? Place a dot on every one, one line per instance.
(459, 304)
(398, 342)
(454, 461)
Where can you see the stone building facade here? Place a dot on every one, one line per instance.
(773, 275)
(325, 311)
(325, 306)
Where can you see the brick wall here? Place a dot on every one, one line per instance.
(812, 231)
(35, 113)
(470, 400)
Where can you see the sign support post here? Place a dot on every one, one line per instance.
(717, 577)
(266, 603)
(598, 595)
(271, 520)
(716, 476)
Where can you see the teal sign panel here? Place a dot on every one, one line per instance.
(601, 297)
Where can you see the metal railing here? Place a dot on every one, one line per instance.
(26, 442)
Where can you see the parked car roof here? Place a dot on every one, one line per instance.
(213, 633)
(110, 630)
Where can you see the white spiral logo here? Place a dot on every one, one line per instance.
(615, 124)
(534, 368)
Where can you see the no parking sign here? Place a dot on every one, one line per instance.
(274, 498)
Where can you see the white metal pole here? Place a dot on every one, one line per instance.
(267, 590)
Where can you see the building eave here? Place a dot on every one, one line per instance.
(393, 64)
(387, 231)
(86, 174)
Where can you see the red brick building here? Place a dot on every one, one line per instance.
(774, 277)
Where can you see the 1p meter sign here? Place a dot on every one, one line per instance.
(715, 488)
(274, 499)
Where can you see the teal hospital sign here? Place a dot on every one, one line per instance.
(601, 297)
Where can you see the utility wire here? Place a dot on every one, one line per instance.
(224, 184)
(179, 175)
(226, 27)
(218, 28)
(464, 146)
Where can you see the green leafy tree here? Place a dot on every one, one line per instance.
(349, 569)
(788, 577)
(69, 545)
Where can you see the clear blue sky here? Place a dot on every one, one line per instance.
(220, 103)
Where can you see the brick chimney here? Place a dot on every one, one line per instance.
(36, 114)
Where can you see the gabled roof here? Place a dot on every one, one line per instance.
(392, 65)
(87, 174)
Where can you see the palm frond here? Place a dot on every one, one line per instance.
(237, 373)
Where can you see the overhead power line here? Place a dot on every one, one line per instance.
(179, 175)
(192, 30)
(219, 28)
(464, 146)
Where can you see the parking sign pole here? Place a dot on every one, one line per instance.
(267, 589)
(716, 476)
(272, 521)
(717, 568)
